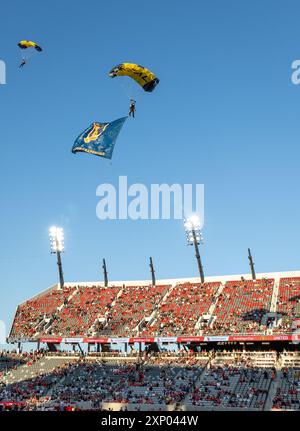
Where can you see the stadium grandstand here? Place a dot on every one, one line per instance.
(231, 342)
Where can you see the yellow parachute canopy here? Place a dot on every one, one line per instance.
(25, 44)
(140, 74)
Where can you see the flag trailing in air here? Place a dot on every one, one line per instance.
(99, 138)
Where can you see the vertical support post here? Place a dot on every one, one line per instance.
(60, 270)
(197, 254)
(251, 263)
(105, 273)
(152, 272)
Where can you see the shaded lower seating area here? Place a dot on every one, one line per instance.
(225, 385)
(123, 384)
(220, 380)
(30, 383)
(10, 361)
(288, 391)
(90, 382)
(34, 368)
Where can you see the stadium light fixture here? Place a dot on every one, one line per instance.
(56, 235)
(193, 234)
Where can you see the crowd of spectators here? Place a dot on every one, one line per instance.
(90, 382)
(188, 309)
(181, 310)
(288, 305)
(32, 316)
(88, 305)
(203, 380)
(288, 392)
(229, 386)
(241, 307)
(133, 306)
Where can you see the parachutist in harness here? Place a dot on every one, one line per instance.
(23, 63)
(132, 108)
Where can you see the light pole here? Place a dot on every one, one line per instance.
(56, 235)
(105, 273)
(251, 263)
(194, 237)
(152, 272)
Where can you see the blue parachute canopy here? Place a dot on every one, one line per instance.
(99, 138)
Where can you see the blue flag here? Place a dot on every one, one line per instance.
(99, 138)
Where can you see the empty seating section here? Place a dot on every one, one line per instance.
(132, 306)
(288, 304)
(30, 314)
(85, 307)
(182, 308)
(241, 307)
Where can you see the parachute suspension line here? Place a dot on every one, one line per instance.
(26, 55)
(131, 91)
(30, 53)
(125, 89)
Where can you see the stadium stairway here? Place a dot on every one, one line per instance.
(272, 391)
(213, 307)
(279, 363)
(153, 315)
(273, 306)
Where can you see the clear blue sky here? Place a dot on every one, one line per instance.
(225, 114)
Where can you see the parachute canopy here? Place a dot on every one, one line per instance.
(99, 138)
(140, 74)
(25, 44)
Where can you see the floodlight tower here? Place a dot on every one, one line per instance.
(56, 235)
(194, 237)
(152, 272)
(251, 263)
(105, 273)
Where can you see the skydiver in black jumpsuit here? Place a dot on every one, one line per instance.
(132, 108)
